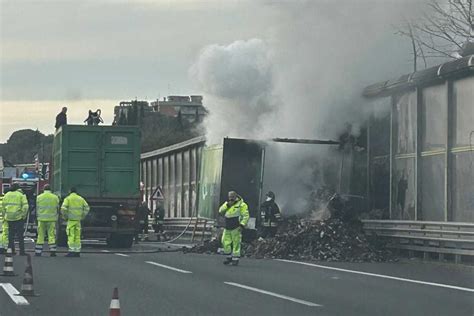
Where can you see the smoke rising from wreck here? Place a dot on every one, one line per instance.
(304, 80)
(237, 80)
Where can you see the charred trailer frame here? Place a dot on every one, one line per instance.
(242, 171)
(195, 178)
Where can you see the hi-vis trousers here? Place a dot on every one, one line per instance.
(231, 241)
(73, 231)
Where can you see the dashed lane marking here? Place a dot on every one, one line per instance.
(453, 287)
(13, 293)
(121, 254)
(288, 298)
(167, 267)
(105, 250)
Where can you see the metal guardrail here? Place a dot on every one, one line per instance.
(443, 238)
(196, 227)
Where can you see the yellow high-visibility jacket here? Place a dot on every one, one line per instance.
(74, 207)
(236, 214)
(47, 205)
(14, 206)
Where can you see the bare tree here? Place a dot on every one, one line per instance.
(446, 30)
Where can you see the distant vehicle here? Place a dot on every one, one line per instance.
(102, 162)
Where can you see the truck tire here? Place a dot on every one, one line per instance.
(113, 241)
(126, 241)
(120, 241)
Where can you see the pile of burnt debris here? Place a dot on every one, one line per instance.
(331, 231)
(328, 240)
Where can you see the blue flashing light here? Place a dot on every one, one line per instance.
(25, 175)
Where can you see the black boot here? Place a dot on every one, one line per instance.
(52, 254)
(235, 262)
(227, 261)
(70, 255)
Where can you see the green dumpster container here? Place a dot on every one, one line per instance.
(103, 163)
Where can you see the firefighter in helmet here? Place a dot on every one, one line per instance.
(270, 215)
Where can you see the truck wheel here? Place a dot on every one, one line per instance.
(120, 241)
(126, 241)
(113, 241)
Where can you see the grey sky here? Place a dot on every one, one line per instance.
(112, 49)
(56, 53)
(89, 54)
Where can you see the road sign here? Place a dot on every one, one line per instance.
(157, 194)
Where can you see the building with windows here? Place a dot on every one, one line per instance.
(188, 107)
(131, 112)
(421, 151)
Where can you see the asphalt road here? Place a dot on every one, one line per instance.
(177, 284)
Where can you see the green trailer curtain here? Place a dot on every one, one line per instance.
(210, 179)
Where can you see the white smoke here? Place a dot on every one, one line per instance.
(303, 80)
(237, 81)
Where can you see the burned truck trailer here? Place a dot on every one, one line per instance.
(236, 165)
(195, 178)
(102, 162)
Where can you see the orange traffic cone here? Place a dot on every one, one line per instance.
(27, 285)
(114, 304)
(8, 265)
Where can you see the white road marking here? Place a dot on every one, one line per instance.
(105, 250)
(453, 287)
(167, 267)
(121, 254)
(288, 298)
(12, 292)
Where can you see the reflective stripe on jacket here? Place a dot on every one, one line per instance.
(236, 214)
(270, 213)
(74, 207)
(14, 206)
(47, 205)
